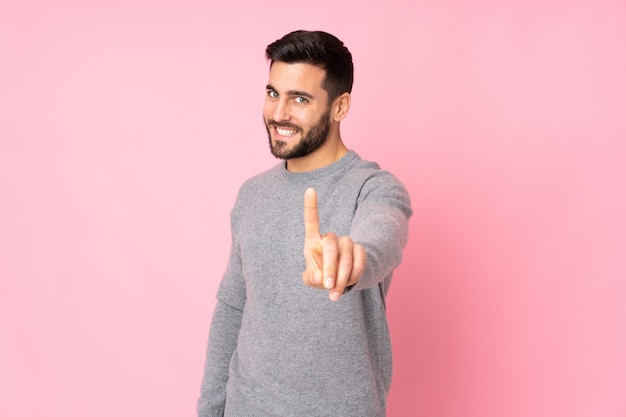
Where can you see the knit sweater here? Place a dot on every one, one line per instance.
(278, 348)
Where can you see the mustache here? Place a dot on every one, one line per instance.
(285, 125)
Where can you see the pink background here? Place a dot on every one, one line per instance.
(126, 128)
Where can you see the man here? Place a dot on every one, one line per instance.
(305, 334)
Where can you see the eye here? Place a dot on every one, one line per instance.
(301, 100)
(272, 94)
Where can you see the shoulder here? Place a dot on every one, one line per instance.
(380, 185)
(259, 182)
(372, 175)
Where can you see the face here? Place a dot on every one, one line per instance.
(296, 110)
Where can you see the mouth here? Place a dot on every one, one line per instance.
(284, 132)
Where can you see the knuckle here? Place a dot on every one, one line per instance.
(330, 238)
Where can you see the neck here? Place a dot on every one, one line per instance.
(330, 152)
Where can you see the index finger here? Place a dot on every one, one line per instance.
(311, 217)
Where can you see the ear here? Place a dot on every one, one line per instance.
(341, 106)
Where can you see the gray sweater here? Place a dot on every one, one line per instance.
(278, 348)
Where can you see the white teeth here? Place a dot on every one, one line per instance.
(285, 132)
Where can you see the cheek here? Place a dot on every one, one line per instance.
(267, 111)
(302, 117)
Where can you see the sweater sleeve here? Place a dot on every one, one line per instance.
(223, 336)
(380, 225)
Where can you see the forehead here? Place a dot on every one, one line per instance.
(296, 76)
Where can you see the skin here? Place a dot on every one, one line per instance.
(294, 105)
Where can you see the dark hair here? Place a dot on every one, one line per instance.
(320, 49)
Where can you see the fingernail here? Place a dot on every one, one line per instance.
(328, 283)
(334, 296)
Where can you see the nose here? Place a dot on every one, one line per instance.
(281, 111)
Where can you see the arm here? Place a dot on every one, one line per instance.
(223, 335)
(381, 226)
(374, 247)
(222, 343)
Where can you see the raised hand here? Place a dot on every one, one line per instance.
(332, 262)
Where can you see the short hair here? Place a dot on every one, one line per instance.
(320, 49)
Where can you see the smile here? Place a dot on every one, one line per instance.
(285, 132)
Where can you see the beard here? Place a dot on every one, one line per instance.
(310, 142)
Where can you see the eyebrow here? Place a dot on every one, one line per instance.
(293, 92)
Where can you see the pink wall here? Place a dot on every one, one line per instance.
(126, 128)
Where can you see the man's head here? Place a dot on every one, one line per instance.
(308, 92)
(320, 49)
